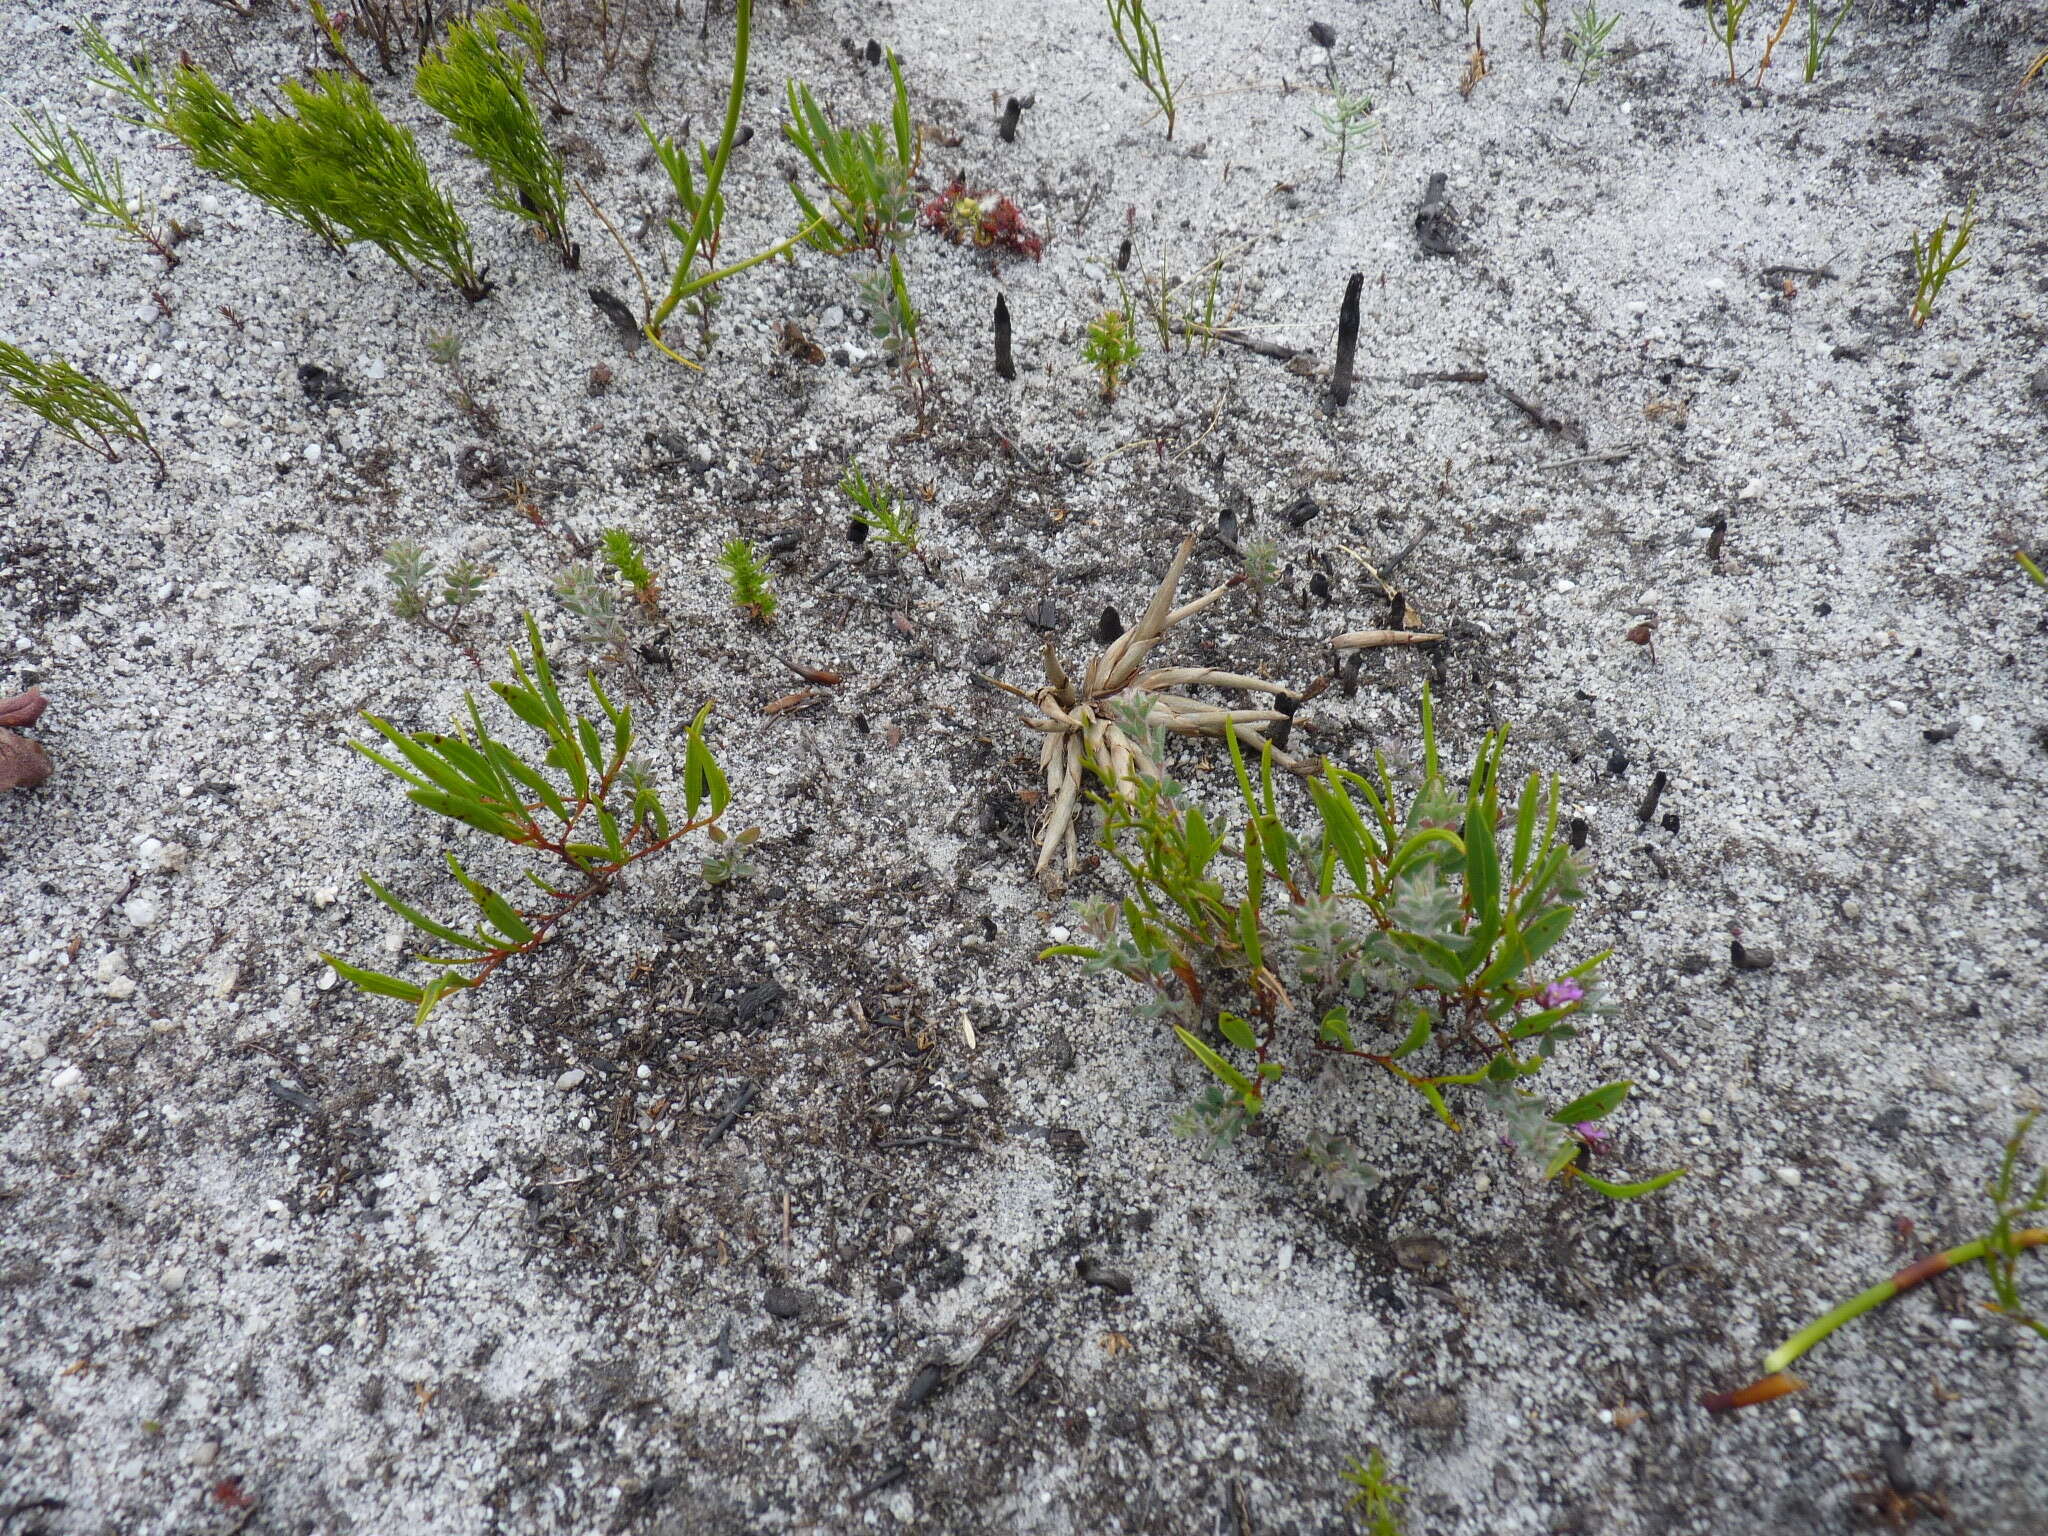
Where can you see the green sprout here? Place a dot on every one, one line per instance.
(749, 580)
(591, 807)
(1727, 28)
(1378, 1498)
(1817, 41)
(624, 557)
(1349, 121)
(1137, 34)
(1538, 11)
(1941, 254)
(865, 171)
(1110, 349)
(479, 85)
(879, 511)
(1587, 39)
(93, 183)
(88, 412)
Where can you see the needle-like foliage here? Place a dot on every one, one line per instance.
(95, 184)
(88, 412)
(479, 84)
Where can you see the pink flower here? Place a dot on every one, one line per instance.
(1560, 994)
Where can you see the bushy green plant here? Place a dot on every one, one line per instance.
(748, 579)
(333, 163)
(1936, 258)
(414, 599)
(1428, 928)
(864, 170)
(1110, 349)
(591, 806)
(881, 512)
(623, 555)
(479, 85)
(88, 412)
(94, 183)
(1137, 34)
(1376, 1497)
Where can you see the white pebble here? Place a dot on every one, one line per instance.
(330, 978)
(326, 896)
(140, 911)
(1057, 934)
(573, 1078)
(1789, 1177)
(120, 988)
(1896, 706)
(70, 1082)
(1752, 491)
(173, 1278)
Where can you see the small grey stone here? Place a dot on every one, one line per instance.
(784, 1302)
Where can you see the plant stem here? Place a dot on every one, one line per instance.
(679, 287)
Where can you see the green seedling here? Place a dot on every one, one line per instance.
(479, 85)
(2027, 564)
(1110, 349)
(414, 599)
(624, 557)
(1537, 11)
(893, 321)
(1727, 28)
(1349, 121)
(1432, 926)
(1935, 259)
(1377, 1498)
(1999, 1250)
(1817, 41)
(865, 171)
(588, 804)
(1587, 39)
(88, 412)
(878, 511)
(95, 184)
(445, 348)
(748, 579)
(1137, 34)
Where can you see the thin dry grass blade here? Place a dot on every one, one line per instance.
(1206, 677)
(1124, 652)
(1059, 822)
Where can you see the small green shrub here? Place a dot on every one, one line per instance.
(334, 163)
(878, 511)
(414, 599)
(591, 807)
(865, 171)
(749, 580)
(479, 85)
(1376, 1497)
(1937, 258)
(1110, 349)
(1587, 39)
(88, 412)
(1430, 928)
(624, 557)
(1349, 121)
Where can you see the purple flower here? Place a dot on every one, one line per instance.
(1560, 993)
(1591, 1132)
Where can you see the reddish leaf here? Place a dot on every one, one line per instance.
(23, 763)
(23, 708)
(228, 1493)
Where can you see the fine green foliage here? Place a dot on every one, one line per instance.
(1727, 28)
(1587, 39)
(1818, 42)
(95, 184)
(590, 805)
(479, 85)
(1137, 34)
(1377, 1499)
(2039, 576)
(334, 163)
(624, 557)
(1349, 121)
(885, 515)
(1934, 259)
(88, 412)
(1538, 11)
(893, 321)
(749, 580)
(2010, 1198)
(865, 172)
(1110, 349)
(414, 599)
(1430, 927)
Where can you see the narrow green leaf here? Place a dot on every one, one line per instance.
(512, 764)
(467, 811)
(544, 675)
(1437, 963)
(375, 981)
(1429, 762)
(1269, 1071)
(1077, 951)
(1336, 1028)
(1244, 779)
(609, 825)
(441, 986)
(1417, 1036)
(527, 705)
(1525, 825)
(592, 743)
(1223, 1071)
(421, 921)
(1629, 1191)
(1237, 1032)
(1597, 1105)
(1436, 1102)
(1482, 874)
(497, 911)
(432, 764)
